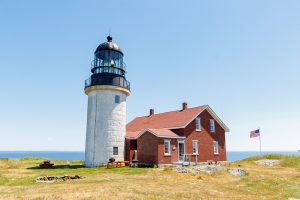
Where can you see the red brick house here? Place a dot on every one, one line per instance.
(190, 134)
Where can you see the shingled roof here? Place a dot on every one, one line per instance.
(168, 120)
(164, 133)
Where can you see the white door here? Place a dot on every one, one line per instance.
(180, 151)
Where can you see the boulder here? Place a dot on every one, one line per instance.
(236, 171)
(210, 169)
(268, 162)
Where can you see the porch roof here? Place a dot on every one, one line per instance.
(163, 133)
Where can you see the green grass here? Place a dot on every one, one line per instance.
(3, 180)
(278, 184)
(262, 182)
(291, 161)
(285, 160)
(32, 170)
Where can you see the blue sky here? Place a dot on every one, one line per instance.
(240, 57)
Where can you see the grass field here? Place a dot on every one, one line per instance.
(262, 182)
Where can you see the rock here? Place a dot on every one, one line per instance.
(210, 169)
(268, 162)
(236, 171)
(51, 179)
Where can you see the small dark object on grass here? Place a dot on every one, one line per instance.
(134, 163)
(46, 164)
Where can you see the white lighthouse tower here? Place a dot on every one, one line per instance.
(107, 89)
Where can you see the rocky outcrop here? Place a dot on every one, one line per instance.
(236, 171)
(268, 162)
(210, 169)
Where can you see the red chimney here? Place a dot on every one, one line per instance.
(151, 112)
(184, 106)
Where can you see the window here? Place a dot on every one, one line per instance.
(115, 151)
(212, 125)
(195, 147)
(167, 147)
(216, 148)
(198, 124)
(117, 99)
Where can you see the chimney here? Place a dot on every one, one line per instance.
(151, 112)
(184, 106)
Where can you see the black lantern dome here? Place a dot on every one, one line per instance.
(109, 45)
(108, 67)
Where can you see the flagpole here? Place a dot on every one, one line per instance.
(259, 145)
(259, 141)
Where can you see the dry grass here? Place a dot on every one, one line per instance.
(262, 182)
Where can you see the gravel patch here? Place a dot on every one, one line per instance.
(268, 162)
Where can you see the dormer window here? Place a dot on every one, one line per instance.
(198, 124)
(212, 125)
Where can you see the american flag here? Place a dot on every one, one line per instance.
(255, 133)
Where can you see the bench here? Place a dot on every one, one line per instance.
(117, 164)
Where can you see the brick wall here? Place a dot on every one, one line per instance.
(151, 149)
(167, 159)
(147, 148)
(205, 139)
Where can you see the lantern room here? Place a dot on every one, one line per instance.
(108, 67)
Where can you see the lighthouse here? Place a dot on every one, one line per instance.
(107, 90)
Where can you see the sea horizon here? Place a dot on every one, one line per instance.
(79, 155)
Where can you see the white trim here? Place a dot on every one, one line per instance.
(215, 116)
(182, 142)
(216, 152)
(197, 149)
(169, 142)
(199, 128)
(212, 127)
(211, 112)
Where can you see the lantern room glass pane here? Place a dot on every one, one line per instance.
(109, 58)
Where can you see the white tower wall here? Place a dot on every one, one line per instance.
(106, 124)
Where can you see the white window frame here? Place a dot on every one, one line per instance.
(198, 124)
(195, 146)
(168, 142)
(117, 153)
(216, 150)
(212, 125)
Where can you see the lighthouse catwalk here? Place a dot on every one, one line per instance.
(107, 90)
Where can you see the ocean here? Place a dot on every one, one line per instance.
(79, 155)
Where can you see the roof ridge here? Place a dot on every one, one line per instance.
(171, 111)
(165, 120)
